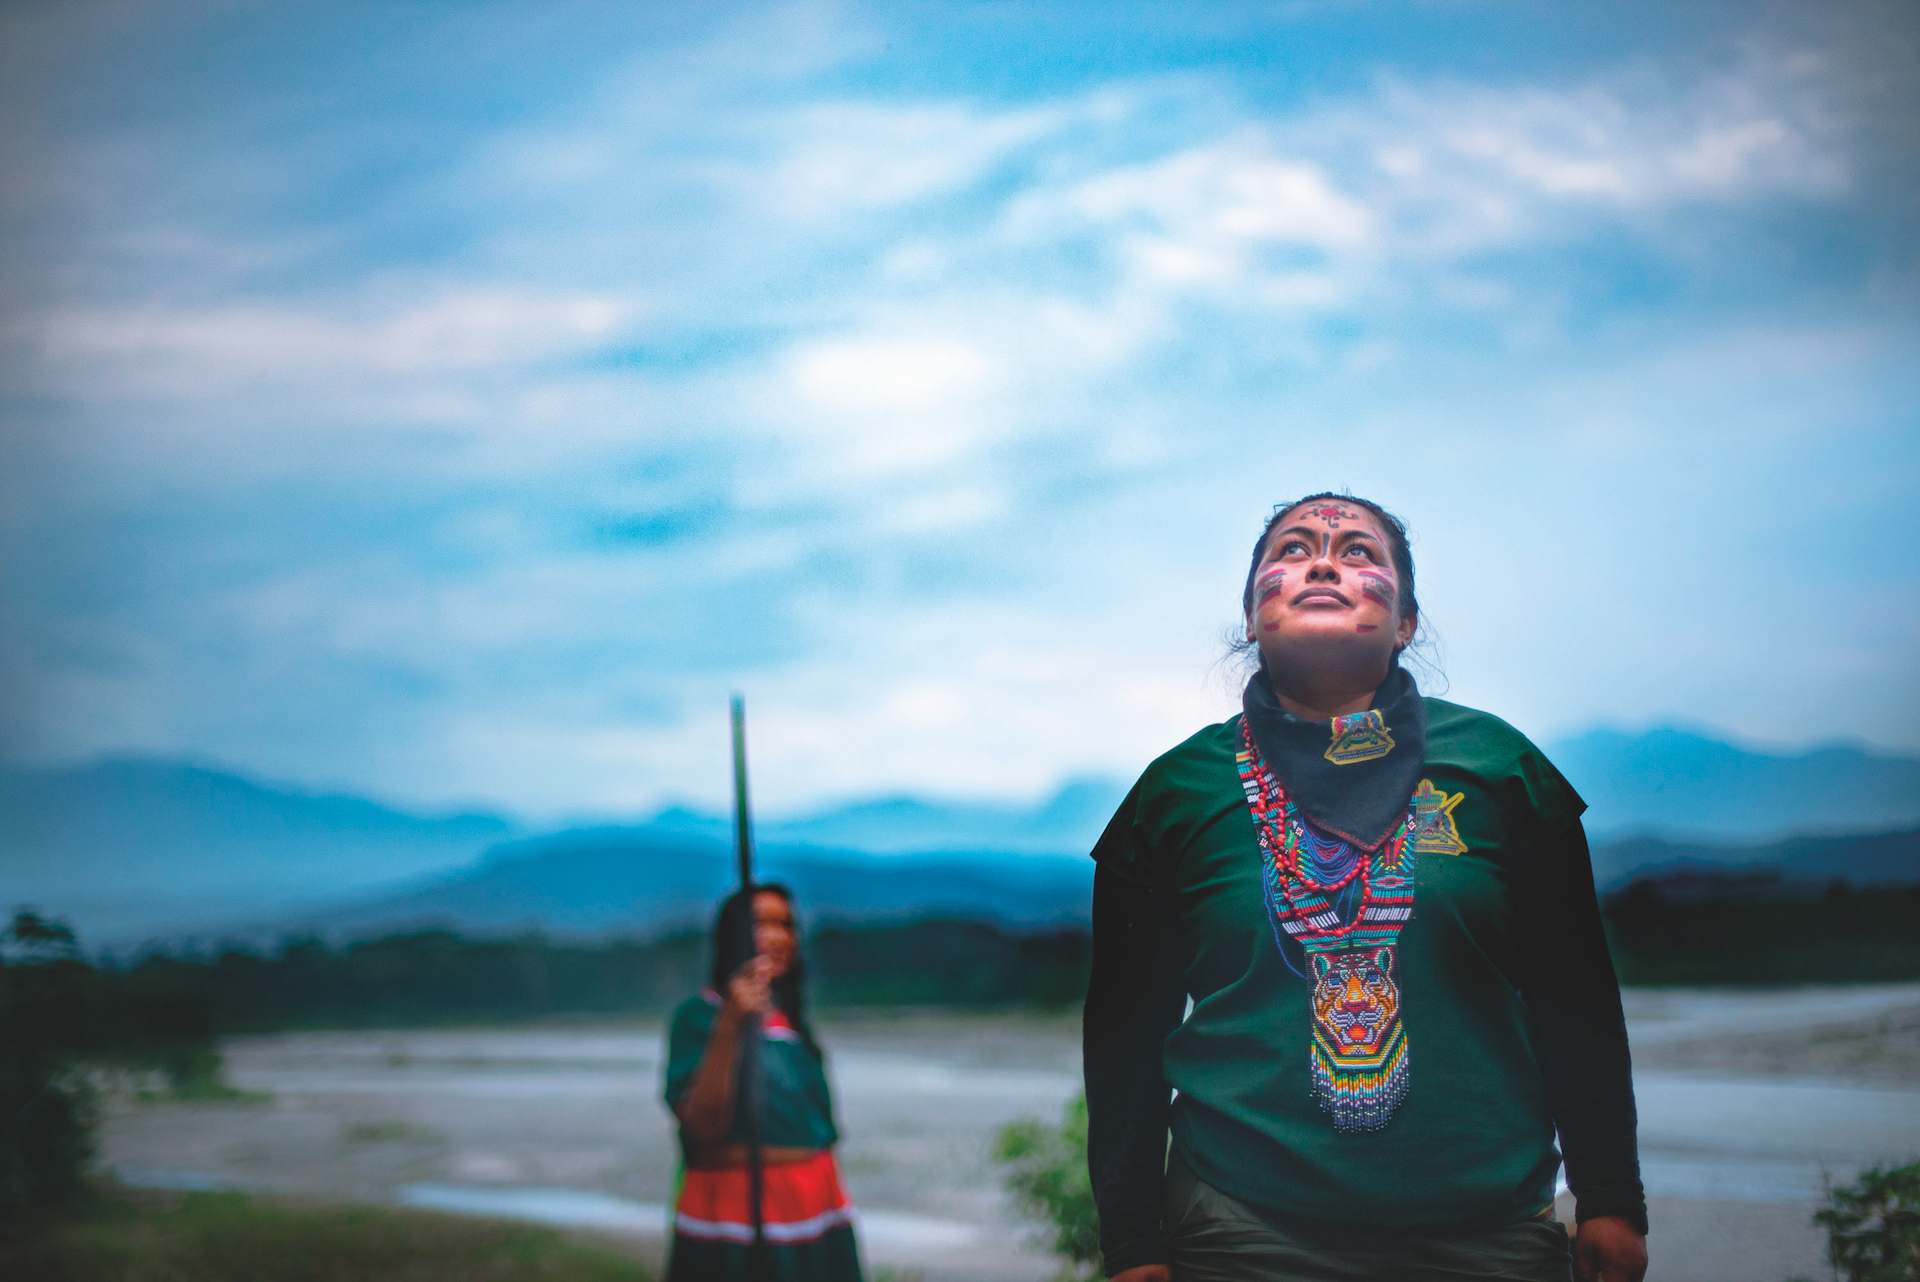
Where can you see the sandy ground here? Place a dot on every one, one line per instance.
(1746, 1099)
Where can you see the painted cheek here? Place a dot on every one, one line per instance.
(1268, 584)
(1377, 587)
(1368, 627)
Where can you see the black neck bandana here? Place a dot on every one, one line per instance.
(1352, 776)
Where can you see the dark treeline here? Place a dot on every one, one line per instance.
(439, 977)
(1752, 930)
(1695, 929)
(432, 977)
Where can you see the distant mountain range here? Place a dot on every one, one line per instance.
(1798, 863)
(647, 881)
(137, 849)
(1683, 784)
(120, 847)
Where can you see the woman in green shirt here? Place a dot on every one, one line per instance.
(806, 1219)
(1382, 909)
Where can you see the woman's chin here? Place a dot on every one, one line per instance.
(1322, 631)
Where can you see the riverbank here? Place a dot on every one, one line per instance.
(1746, 1097)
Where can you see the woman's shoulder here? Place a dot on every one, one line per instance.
(1481, 744)
(1205, 745)
(1456, 728)
(1195, 760)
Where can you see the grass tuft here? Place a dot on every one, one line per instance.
(228, 1237)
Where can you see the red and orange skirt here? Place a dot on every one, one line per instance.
(806, 1217)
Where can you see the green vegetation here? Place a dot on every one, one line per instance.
(1047, 1175)
(438, 977)
(1735, 933)
(62, 1020)
(1724, 934)
(390, 1133)
(1873, 1226)
(963, 963)
(225, 1237)
(432, 977)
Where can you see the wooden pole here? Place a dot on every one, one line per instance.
(750, 1090)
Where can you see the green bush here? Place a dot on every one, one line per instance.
(47, 1001)
(61, 1018)
(1873, 1226)
(1048, 1178)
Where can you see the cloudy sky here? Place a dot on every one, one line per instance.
(454, 402)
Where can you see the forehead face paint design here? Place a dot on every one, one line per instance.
(1331, 513)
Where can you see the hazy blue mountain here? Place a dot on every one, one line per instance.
(1067, 822)
(129, 849)
(1680, 783)
(646, 880)
(1806, 863)
(123, 846)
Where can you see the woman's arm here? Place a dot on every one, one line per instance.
(1134, 999)
(706, 1110)
(1581, 1040)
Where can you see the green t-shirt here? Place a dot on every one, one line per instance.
(1473, 1142)
(799, 1108)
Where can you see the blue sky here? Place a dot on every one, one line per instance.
(454, 402)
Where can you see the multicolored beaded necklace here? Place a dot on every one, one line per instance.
(1345, 908)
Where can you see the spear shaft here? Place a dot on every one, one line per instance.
(749, 1090)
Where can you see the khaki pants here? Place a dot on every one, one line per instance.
(1217, 1239)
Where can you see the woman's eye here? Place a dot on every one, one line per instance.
(1360, 549)
(1288, 549)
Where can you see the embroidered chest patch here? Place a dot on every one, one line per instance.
(1360, 737)
(1433, 829)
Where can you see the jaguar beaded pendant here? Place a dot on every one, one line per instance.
(1345, 908)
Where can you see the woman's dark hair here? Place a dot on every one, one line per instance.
(733, 948)
(1390, 525)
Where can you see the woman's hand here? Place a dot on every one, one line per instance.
(1608, 1249)
(749, 992)
(706, 1110)
(1145, 1273)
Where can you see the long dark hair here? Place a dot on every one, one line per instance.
(733, 948)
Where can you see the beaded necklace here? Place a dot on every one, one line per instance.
(1345, 908)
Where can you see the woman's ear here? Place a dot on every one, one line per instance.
(1404, 630)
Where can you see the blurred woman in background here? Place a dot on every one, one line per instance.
(1382, 909)
(807, 1222)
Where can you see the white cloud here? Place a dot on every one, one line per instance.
(865, 376)
(836, 159)
(1054, 355)
(217, 351)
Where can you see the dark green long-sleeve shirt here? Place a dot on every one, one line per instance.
(1511, 1008)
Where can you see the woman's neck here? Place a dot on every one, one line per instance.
(1322, 700)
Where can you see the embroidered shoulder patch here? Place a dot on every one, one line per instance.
(1360, 737)
(1433, 830)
